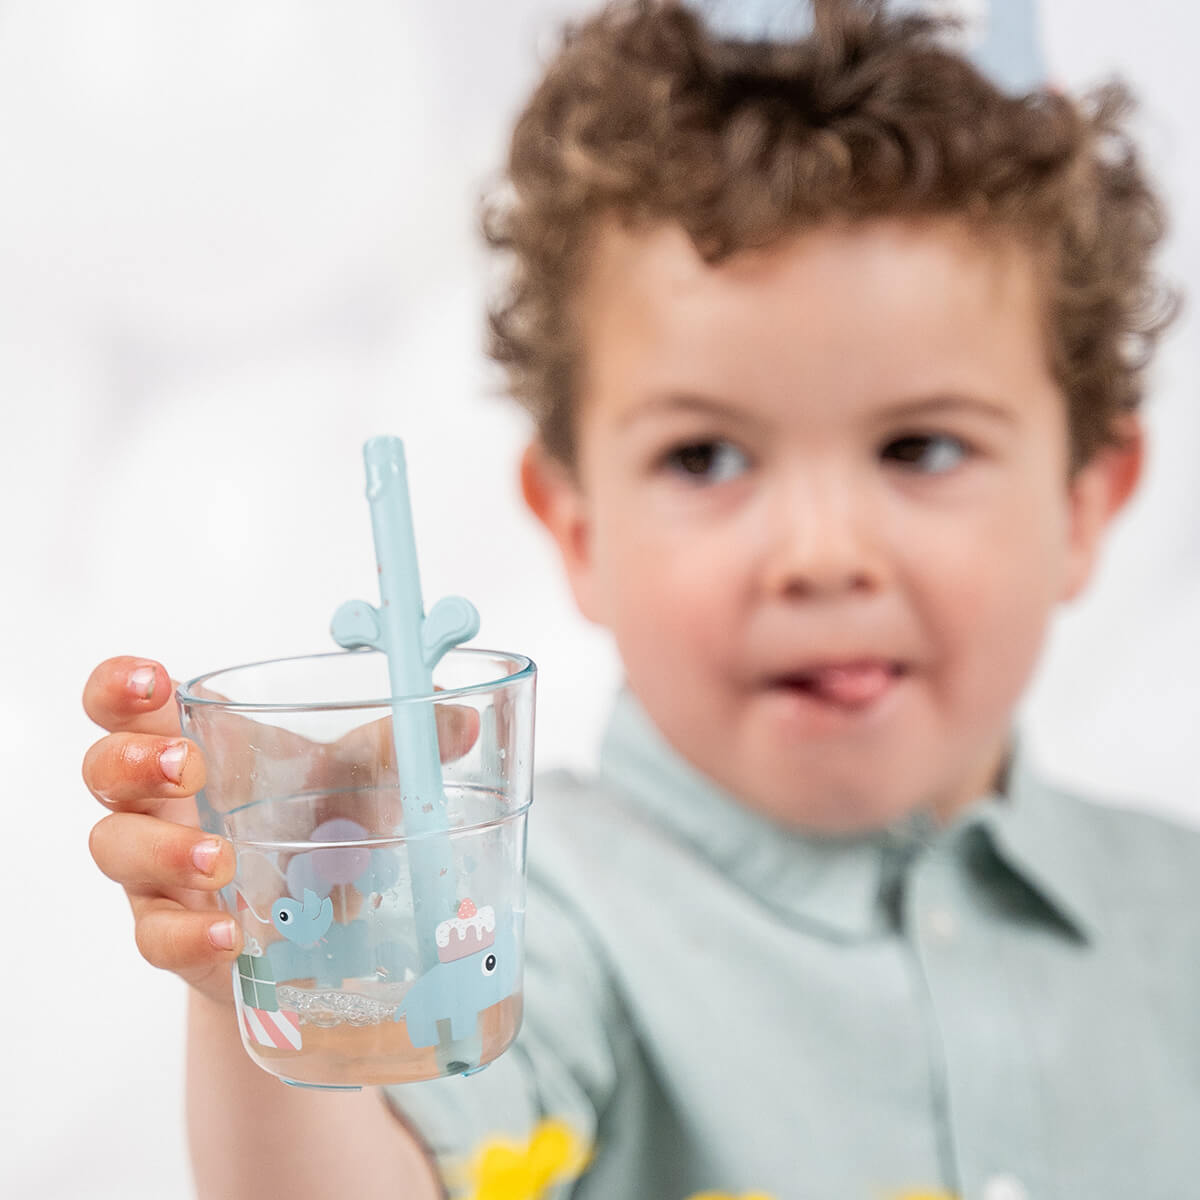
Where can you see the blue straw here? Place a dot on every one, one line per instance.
(414, 643)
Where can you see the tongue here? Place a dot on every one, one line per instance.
(850, 685)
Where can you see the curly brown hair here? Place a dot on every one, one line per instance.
(646, 116)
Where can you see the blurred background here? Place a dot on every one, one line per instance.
(236, 240)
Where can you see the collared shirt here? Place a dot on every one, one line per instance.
(1007, 1008)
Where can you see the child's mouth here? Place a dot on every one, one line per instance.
(851, 685)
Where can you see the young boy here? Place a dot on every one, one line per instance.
(834, 353)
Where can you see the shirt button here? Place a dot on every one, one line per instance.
(943, 927)
(1004, 1187)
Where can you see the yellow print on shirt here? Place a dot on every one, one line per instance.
(730, 1196)
(503, 1169)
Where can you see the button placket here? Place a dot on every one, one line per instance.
(974, 1035)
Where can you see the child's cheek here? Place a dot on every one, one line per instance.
(998, 596)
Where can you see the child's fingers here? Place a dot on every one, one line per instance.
(192, 944)
(458, 730)
(172, 891)
(129, 693)
(139, 772)
(370, 745)
(144, 853)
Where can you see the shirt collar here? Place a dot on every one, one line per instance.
(1039, 833)
(838, 886)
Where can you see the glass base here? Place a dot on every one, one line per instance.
(321, 1087)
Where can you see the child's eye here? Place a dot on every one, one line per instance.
(707, 462)
(928, 453)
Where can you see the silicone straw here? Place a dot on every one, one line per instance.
(414, 643)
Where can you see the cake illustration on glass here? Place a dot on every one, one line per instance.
(474, 929)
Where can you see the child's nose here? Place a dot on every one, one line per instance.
(821, 543)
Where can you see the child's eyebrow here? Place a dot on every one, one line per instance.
(687, 402)
(921, 406)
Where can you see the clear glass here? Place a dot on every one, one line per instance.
(383, 921)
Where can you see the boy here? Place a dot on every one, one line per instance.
(834, 353)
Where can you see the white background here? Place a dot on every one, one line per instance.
(236, 240)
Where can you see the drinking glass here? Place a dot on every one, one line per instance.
(381, 905)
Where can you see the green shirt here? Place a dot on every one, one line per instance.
(1004, 1009)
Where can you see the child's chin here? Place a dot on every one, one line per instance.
(835, 809)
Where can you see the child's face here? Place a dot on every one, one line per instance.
(823, 505)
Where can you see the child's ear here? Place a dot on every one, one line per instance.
(1099, 491)
(556, 498)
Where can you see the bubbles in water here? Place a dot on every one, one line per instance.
(329, 1008)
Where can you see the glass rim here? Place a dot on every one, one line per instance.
(185, 692)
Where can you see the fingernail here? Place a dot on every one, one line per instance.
(204, 855)
(220, 933)
(171, 760)
(142, 681)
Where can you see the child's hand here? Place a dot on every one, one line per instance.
(147, 775)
